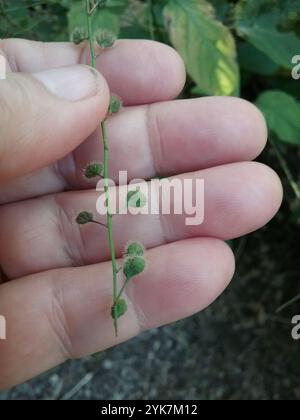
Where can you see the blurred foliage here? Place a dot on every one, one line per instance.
(246, 47)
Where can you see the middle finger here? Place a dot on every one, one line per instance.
(162, 139)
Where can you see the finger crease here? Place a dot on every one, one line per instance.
(66, 228)
(58, 323)
(154, 139)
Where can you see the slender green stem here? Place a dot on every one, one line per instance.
(289, 303)
(90, 34)
(151, 22)
(89, 13)
(109, 226)
(286, 168)
(122, 289)
(99, 223)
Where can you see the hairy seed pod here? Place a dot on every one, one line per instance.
(79, 35)
(84, 217)
(136, 199)
(133, 266)
(93, 170)
(115, 104)
(105, 38)
(135, 249)
(119, 308)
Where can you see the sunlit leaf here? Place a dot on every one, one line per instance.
(206, 45)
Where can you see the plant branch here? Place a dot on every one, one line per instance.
(99, 223)
(89, 13)
(289, 303)
(151, 20)
(285, 168)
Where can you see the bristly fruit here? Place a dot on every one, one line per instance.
(84, 217)
(79, 35)
(133, 266)
(94, 170)
(102, 3)
(136, 199)
(135, 249)
(115, 104)
(105, 39)
(119, 308)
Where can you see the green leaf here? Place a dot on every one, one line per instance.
(135, 20)
(133, 266)
(103, 18)
(265, 24)
(282, 113)
(222, 8)
(205, 44)
(253, 60)
(119, 309)
(136, 199)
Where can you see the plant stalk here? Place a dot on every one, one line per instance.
(89, 13)
(285, 168)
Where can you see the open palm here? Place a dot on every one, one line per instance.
(57, 297)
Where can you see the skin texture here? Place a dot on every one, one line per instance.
(56, 292)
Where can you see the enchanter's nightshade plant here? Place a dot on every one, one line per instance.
(133, 260)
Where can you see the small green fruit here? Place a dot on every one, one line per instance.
(84, 218)
(136, 199)
(133, 266)
(93, 170)
(119, 309)
(105, 39)
(79, 35)
(115, 104)
(135, 249)
(102, 3)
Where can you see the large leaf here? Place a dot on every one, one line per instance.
(282, 112)
(254, 61)
(103, 18)
(269, 25)
(205, 44)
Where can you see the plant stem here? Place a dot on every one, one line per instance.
(89, 13)
(289, 303)
(151, 23)
(99, 223)
(90, 34)
(109, 225)
(286, 169)
(122, 289)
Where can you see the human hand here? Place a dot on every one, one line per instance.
(57, 298)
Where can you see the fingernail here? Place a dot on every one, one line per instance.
(72, 83)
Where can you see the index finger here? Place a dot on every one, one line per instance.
(139, 71)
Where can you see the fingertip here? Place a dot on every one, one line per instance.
(173, 70)
(255, 197)
(218, 272)
(251, 127)
(272, 188)
(154, 71)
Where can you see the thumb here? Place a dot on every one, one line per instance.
(45, 116)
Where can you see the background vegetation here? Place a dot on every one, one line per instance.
(230, 48)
